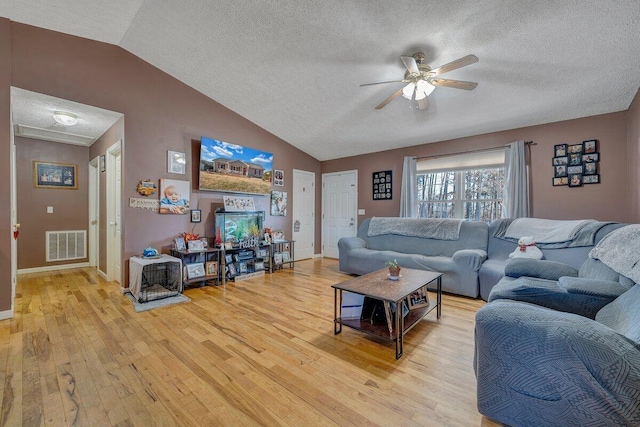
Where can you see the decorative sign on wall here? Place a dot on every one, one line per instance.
(382, 185)
(576, 164)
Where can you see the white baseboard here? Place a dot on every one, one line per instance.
(102, 274)
(317, 256)
(52, 268)
(7, 314)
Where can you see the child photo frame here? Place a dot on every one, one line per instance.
(211, 268)
(196, 215)
(174, 197)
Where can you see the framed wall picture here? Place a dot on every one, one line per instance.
(278, 178)
(279, 203)
(591, 179)
(176, 162)
(180, 244)
(196, 215)
(575, 180)
(103, 163)
(564, 180)
(174, 197)
(238, 204)
(382, 189)
(560, 150)
(55, 175)
(590, 146)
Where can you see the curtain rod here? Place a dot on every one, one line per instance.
(472, 151)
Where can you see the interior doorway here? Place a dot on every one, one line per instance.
(339, 209)
(114, 212)
(94, 212)
(304, 202)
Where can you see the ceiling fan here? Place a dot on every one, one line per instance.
(422, 80)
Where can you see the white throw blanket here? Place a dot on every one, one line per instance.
(440, 229)
(545, 230)
(620, 250)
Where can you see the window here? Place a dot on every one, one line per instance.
(465, 186)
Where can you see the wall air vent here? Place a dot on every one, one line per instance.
(66, 245)
(52, 135)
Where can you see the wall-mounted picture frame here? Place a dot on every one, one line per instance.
(591, 179)
(196, 215)
(574, 148)
(211, 268)
(559, 161)
(278, 178)
(176, 162)
(382, 188)
(278, 203)
(195, 270)
(174, 197)
(560, 171)
(60, 176)
(563, 180)
(590, 146)
(575, 158)
(559, 150)
(591, 157)
(180, 244)
(575, 180)
(103, 163)
(572, 170)
(238, 204)
(590, 168)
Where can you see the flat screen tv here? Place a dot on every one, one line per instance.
(233, 168)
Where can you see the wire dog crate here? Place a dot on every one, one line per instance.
(152, 279)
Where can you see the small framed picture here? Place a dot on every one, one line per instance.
(228, 258)
(575, 148)
(590, 146)
(560, 150)
(575, 158)
(180, 244)
(195, 270)
(593, 157)
(261, 253)
(232, 270)
(205, 242)
(286, 257)
(590, 168)
(560, 170)
(560, 181)
(418, 299)
(278, 178)
(55, 175)
(195, 245)
(560, 161)
(212, 268)
(258, 265)
(176, 162)
(196, 215)
(572, 170)
(591, 179)
(575, 180)
(242, 267)
(277, 258)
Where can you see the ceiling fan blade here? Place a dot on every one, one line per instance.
(454, 65)
(389, 99)
(456, 84)
(423, 103)
(382, 83)
(411, 64)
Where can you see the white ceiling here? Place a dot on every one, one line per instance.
(294, 67)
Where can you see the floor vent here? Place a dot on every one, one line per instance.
(65, 245)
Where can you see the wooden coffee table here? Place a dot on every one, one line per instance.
(377, 285)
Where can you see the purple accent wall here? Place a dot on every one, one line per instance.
(605, 201)
(69, 206)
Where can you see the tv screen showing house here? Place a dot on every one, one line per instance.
(233, 168)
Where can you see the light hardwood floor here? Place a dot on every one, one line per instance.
(258, 352)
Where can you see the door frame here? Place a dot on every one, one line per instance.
(112, 244)
(13, 196)
(324, 203)
(313, 208)
(94, 212)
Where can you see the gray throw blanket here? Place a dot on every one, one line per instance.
(585, 236)
(440, 229)
(620, 250)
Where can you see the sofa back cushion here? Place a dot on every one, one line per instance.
(473, 235)
(622, 315)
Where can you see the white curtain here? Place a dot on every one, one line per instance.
(515, 200)
(409, 191)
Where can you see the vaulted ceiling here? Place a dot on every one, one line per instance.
(295, 67)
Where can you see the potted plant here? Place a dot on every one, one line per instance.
(394, 268)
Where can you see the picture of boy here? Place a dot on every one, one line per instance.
(173, 202)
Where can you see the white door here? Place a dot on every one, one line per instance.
(304, 201)
(339, 209)
(94, 205)
(114, 231)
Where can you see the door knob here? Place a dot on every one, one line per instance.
(94, 222)
(113, 223)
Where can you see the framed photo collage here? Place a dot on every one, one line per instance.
(575, 165)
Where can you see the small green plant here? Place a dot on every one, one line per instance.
(392, 264)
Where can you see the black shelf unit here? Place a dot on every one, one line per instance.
(203, 256)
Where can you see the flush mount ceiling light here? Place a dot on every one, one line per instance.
(64, 118)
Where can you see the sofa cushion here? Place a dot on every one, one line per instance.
(623, 314)
(539, 268)
(596, 269)
(595, 287)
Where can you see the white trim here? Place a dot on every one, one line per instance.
(52, 268)
(112, 152)
(102, 274)
(94, 211)
(299, 173)
(13, 196)
(7, 314)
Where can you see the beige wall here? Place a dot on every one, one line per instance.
(5, 156)
(633, 153)
(160, 114)
(605, 201)
(69, 206)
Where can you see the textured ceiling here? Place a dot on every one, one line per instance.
(294, 67)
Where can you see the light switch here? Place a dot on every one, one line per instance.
(360, 211)
(49, 209)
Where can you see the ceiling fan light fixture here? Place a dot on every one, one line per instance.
(65, 119)
(408, 90)
(424, 89)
